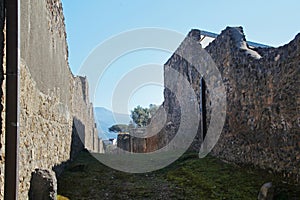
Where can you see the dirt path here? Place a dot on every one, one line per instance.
(187, 178)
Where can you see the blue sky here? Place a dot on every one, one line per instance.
(89, 23)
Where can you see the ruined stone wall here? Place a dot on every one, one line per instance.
(52, 100)
(263, 102)
(140, 144)
(262, 125)
(147, 139)
(171, 104)
(44, 46)
(262, 87)
(82, 110)
(124, 142)
(45, 131)
(50, 133)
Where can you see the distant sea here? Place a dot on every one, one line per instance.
(105, 118)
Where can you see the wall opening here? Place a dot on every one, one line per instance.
(203, 108)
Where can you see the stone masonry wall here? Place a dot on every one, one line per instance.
(45, 131)
(44, 46)
(151, 137)
(52, 100)
(129, 143)
(263, 101)
(83, 112)
(171, 104)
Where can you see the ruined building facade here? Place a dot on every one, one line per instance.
(263, 101)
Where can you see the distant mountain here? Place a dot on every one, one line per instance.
(106, 118)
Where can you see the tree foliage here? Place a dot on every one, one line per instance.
(141, 116)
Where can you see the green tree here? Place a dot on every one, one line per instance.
(117, 128)
(140, 116)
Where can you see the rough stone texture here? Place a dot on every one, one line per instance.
(45, 130)
(52, 101)
(43, 185)
(50, 133)
(263, 102)
(55, 111)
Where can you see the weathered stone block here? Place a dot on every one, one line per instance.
(43, 185)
